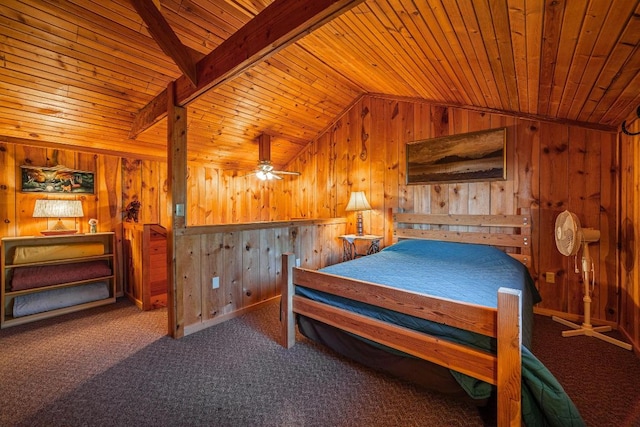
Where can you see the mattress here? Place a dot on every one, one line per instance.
(462, 272)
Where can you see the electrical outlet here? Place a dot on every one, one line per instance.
(550, 277)
(215, 282)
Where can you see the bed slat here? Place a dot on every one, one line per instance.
(494, 239)
(476, 363)
(462, 315)
(519, 221)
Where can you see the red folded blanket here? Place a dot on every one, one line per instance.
(47, 275)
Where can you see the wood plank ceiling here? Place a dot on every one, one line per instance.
(75, 73)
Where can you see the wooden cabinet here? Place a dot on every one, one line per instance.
(145, 261)
(48, 276)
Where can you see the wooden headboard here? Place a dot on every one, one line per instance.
(512, 232)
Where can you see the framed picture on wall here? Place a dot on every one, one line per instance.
(59, 179)
(474, 156)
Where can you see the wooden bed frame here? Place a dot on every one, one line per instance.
(504, 323)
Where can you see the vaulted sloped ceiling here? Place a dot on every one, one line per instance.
(76, 73)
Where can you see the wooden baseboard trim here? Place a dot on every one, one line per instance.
(190, 329)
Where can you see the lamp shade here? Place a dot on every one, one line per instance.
(358, 202)
(45, 208)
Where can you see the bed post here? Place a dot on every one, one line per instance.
(287, 324)
(509, 375)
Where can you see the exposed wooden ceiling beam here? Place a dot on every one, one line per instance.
(165, 37)
(280, 24)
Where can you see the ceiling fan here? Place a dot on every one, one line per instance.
(265, 170)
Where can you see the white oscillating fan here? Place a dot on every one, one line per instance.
(570, 236)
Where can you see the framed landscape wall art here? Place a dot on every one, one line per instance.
(474, 156)
(58, 179)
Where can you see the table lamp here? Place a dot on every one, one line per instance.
(358, 203)
(47, 208)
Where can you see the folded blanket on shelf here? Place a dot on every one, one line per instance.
(53, 299)
(27, 254)
(47, 275)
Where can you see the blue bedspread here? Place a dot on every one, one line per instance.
(469, 273)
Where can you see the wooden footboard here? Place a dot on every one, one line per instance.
(504, 323)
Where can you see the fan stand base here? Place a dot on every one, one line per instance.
(590, 331)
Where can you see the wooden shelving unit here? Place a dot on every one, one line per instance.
(9, 245)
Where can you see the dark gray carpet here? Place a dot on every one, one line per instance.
(602, 379)
(114, 366)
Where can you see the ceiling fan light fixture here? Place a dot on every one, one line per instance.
(264, 173)
(265, 170)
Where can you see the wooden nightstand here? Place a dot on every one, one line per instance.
(349, 250)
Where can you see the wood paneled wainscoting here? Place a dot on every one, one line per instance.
(246, 260)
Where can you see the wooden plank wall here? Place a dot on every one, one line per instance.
(630, 226)
(551, 167)
(215, 196)
(16, 208)
(146, 182)
(247, 262)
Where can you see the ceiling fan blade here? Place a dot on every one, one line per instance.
(286, 173)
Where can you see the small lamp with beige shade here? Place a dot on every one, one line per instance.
(358, 203)
(50, 208)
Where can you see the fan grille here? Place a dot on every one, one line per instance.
(567, 228)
